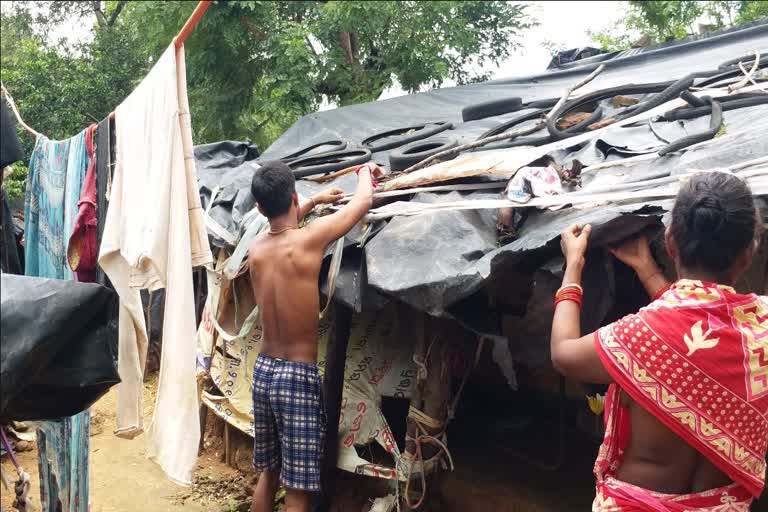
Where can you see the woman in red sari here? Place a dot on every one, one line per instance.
(686, 415)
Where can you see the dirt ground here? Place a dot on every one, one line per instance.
(121, 477)
(487, 477)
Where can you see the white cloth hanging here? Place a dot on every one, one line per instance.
(153, 237)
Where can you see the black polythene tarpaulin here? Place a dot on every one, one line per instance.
(58, 344)
(438, 262)
(227, 166)
(10, 152)
(355, 123)
(230, 165)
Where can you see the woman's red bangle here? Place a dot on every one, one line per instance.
(572, 293)
(577, 300)
(661, 291)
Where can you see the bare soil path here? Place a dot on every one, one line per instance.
(121, 477)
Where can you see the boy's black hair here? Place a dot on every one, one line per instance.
(272, 187)
(713, 221)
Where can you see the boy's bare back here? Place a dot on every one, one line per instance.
(284, 273)
(285, 265)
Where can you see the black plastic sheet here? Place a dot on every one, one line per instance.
(440, 262)
(11, 253)
(228, 165)
(59, 346)
(573, 55)
(355, 123)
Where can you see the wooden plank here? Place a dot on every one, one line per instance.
(333, 385)
(203, 420)
(227, 447)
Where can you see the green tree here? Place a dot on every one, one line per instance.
(663, 20)
(253, 67)
(726, 13)
(60, 88)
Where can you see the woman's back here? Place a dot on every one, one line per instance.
(656, 458)
(687, 407)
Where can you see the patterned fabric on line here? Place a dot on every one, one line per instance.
(55, 175)
(289, 421)
(62, 459)
(81, 249)
(44, 210)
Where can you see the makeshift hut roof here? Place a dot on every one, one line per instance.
(439, 262)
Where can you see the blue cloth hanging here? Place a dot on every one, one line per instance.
(56, 172)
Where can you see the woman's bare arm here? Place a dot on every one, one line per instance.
(636, 253)
(574, 355)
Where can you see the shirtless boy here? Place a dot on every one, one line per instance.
(289, 421)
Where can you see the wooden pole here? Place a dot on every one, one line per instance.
(227, 445)
(185, 30)
(333, 385)
(191, 22)
(431, 396)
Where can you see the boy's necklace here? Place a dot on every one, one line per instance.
(281, 230)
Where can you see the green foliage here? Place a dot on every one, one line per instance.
(253, 67)
(60, 88)
(15, 182)
(417, 43)
(726, 13)
(663, 20)
(611, 40)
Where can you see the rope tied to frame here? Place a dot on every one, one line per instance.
(423, 421)
(421, 362)
(22, 486)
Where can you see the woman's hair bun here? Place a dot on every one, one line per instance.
(707, 215)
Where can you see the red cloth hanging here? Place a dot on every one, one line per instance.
(81, 249)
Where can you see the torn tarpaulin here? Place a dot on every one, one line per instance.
(440, 261)
(457, 250)
(228, 166)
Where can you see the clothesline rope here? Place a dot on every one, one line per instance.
(24, 125)
(178, 40)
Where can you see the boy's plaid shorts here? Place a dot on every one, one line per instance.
(289, 421)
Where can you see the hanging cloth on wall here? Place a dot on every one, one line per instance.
(154, 236)
(63, 443)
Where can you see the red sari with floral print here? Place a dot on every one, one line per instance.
(697, 359)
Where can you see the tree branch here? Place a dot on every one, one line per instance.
(507, 135)
(99, 14)
(575, 86)
(116, 12)
(311, 46)
(346, 46)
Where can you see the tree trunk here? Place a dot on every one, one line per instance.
(346, 46)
